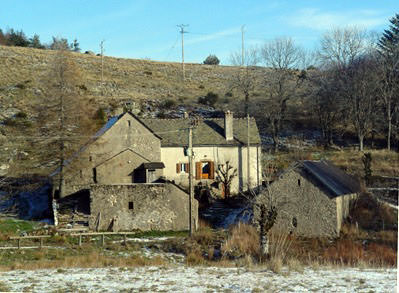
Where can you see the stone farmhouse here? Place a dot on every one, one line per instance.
(133, 174)
(312, 198)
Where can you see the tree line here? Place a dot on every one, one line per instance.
(353, 82)
(19, 39)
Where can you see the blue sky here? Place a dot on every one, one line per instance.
(147, 28)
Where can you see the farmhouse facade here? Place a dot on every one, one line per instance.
(312, 199)
(130, 151)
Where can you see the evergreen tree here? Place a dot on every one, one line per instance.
(35, 42)
(389, 73)
(75, 46)
(17, 38)
(389, 42)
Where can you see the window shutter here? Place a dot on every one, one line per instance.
(187, 166)
(211, 170)
(177, 168)
(198, 170)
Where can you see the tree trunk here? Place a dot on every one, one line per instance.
(264, 245)
(361, 138)
(389, 131)
(246, 104)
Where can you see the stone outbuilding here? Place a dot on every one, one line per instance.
(312, 199)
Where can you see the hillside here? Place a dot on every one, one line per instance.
(22, 71)
(25, 71)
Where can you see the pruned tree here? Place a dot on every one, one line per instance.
(282, 82)
(244, 80)
(225, 173)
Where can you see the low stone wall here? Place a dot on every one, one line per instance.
(140, 207)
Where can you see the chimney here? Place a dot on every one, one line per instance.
(228, 125)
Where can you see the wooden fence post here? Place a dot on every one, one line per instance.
(102, 239)
(80, 240)
(124, 239)
(19, 243)
(41, 243)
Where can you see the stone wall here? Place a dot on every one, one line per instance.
(304, 208)
(140, 207)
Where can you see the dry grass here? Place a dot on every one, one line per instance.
(243, 241)
(93, 259)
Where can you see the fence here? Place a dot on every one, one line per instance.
(79, 235)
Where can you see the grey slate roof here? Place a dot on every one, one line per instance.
(334, 179)
(209, 131)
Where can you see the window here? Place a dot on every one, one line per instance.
(128, 123)
(94, 175)
(299, 182)
(90, 158)
(204, 170)
(131, 205)
(182, 168)
(294, 222)
(81, 173)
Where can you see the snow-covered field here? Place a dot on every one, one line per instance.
(181, 278)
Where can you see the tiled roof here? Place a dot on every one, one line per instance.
(334, 179)
(209, 131)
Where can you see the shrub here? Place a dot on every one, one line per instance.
(100, 115)
(21, 115)
(212, 60)
(167, 104)
(210, 99)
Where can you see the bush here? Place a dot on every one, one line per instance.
(100, 115)
(167, 104)
(212, 60)
(210, 99)
(21, 115)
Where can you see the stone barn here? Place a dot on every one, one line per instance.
(312, 199)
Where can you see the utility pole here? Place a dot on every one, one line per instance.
(102, 66)
(248, 156)
(190, 176)
(242, 45)
(182, 31)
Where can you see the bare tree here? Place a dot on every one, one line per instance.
(359, 86)
(244, 80)
(225, 175)
(388, 70)
(341, 46)
(326, 102)
(282, 82)
(63, 114)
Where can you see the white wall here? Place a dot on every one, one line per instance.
(237, 157)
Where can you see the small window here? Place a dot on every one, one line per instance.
(128, 123)
(182, 168)
(81, 173)
(94, 175)
(131, 205)
(294, 222)
(299, 182)
(90, 158)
